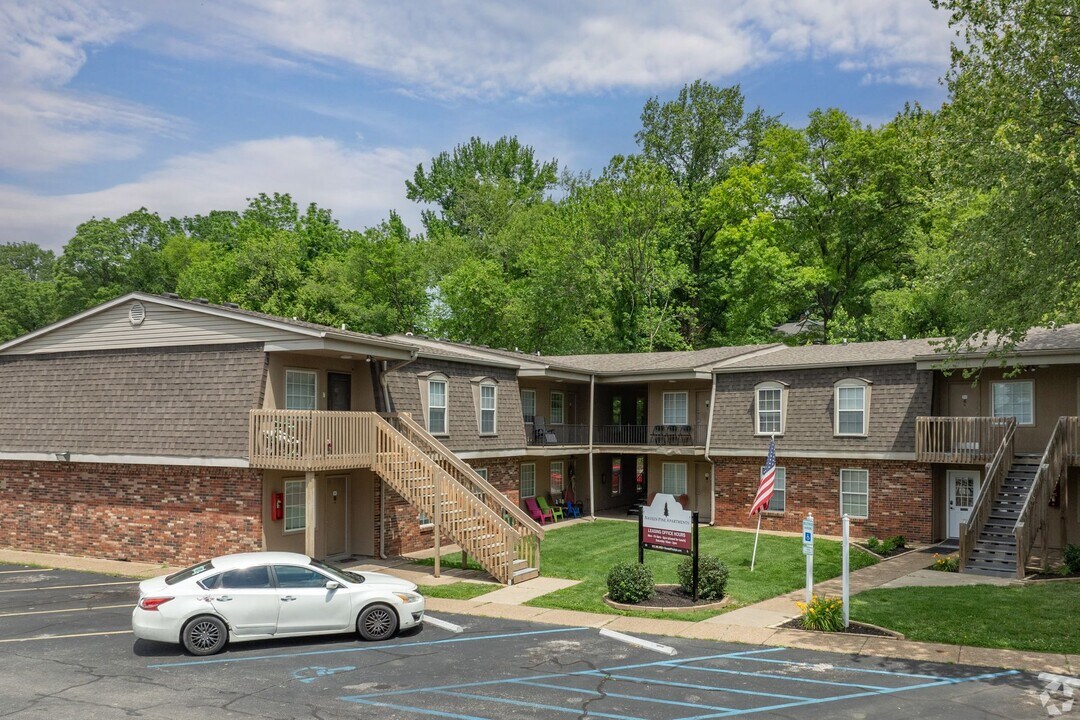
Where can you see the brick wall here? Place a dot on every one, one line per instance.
(403, 532)
(146, 513)
(900, 500)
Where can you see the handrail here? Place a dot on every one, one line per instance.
(958, 439)
(1054, 462)
(421, 437)
(993, 478)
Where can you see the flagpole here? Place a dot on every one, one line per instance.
(754, 556)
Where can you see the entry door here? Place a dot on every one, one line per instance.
(339, 391)
(962, 487)
(336, 509)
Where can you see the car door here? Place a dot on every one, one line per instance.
(247, 599)
(306, 605)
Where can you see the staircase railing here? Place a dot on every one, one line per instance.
(993, 478)
(958, 439)
(478, 529)
(1032, 518)
(1072, 439)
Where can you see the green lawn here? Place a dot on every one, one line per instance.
(458, 590)
(1032, 617)
(588, 550)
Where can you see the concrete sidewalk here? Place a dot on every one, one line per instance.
(752, 624)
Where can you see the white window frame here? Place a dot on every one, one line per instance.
(491, 410)
(866, 494)
(770, 387)
(314, 385)
(531, 476)
(1014, 383)
(670, 415)
(526, 416)
(865, 410)
(561, 466)
(665, 478)
(445, 407)
(292, 503)
(779, 487)
(561, 417)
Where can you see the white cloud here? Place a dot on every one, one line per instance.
(360, 186)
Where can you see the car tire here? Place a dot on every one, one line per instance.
(204, 635)
(377, 622)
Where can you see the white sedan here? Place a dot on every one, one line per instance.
(255, 596)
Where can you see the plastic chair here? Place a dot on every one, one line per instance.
(573, 509)
(537, 514)
(555, 512)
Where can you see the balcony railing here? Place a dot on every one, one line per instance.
(657, 435)
(958, 439)
(310, 440)
(556, 434)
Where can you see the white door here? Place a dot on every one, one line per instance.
(962, 487)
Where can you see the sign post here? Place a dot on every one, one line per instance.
(846, 550)
(808, 551)
(666, 526)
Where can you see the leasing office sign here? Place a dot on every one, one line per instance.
(666, 526)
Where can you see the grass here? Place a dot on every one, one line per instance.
(458, 590)
(1039, 617)
(587, 551)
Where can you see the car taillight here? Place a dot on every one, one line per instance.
(153, 603)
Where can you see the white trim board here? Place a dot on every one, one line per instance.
(127, 459)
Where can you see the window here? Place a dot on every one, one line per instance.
(487, 409)
(246, 578)
(1015, 399)
(424, 520)
(616, 476)
(528, 480)
(675, 408)
(851, 407)
(299, 389)
(778, 501)
(290, 576)
(558, 408)
(769, 408)
(673, 479)
(854, 493)
(556, 477)
(528, 405)
(295, 505)
(482, 472)
(436, 406)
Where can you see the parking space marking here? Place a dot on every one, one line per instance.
(606, 693)
(830, 666)
(542, 706)
(692, 686)
(70, 610)
(70, 587)
(366, 648)
(9, 572)
(792, 678)
(63, 637)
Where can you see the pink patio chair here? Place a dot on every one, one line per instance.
(537, 514)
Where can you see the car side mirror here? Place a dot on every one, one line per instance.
(332, 584)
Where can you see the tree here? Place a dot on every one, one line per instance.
(27, 289)
(1012, 131)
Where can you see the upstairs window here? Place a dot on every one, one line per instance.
(528, 405)
(437, 406)
(769, 409)
(300, 389)
(675, 408)
(487, 408)
(558, 408)
(852, 401)
(1015, 400)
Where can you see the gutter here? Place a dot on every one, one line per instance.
(382, 485)
(592, 426)
(708, 448)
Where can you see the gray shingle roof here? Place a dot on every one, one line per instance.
(651, 362)
(866, 353)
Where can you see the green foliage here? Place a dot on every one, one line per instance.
(887, 546)
(1072, 558)
(822, 613)
(630, 583)
(712, 577)
(946, 563)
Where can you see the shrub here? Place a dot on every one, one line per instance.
(892, 544)
(874, 545)
(629, 583)
(946, 563)
(712, 577)
(1072, 558)
(822, 613)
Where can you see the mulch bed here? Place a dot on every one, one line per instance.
(669, 597)
(855, 628)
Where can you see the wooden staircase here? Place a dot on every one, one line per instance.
(994, 552)
(462, 505)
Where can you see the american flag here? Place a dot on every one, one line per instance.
(768, 478)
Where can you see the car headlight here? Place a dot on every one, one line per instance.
(407, 597)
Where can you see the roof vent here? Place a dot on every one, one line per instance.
(234, 306)
(171, 296)
(201, 301)
(409, 333)
(136, 314)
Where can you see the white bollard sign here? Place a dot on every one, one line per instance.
(808, 551)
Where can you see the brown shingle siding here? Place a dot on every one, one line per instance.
(191, 402)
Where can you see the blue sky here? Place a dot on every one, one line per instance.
(185, 107)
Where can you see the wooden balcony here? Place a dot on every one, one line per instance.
(966, 440)
(311, 440)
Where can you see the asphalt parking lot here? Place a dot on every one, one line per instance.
(67, 652)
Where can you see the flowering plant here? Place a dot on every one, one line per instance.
(946, 563)
(822, 613)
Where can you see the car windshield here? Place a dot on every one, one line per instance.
(190, 572)
(346, 575)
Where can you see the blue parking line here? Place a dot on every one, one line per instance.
(410, 708)
(366, 648)
(781, 677)
(542, 706)
(852, 696)
(692, 686)
(849, 669)
(605, 693)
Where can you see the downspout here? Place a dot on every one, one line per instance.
(382, 486)
(708, 457)
(592, 427)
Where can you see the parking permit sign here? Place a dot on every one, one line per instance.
(808, 536)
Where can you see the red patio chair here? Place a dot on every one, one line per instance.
(537, 514)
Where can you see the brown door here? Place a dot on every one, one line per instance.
(339, 391)
(336, 504)
(964, 400)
